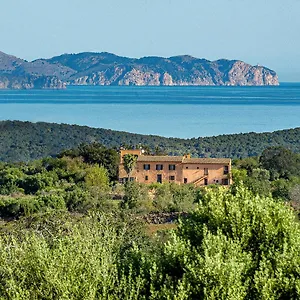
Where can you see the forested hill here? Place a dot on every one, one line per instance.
(24, 141)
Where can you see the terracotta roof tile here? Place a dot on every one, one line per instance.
(149, 158)
(206, 160)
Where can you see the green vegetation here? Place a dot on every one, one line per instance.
(276, 172)
(129, 161)
(68, 230)
(25, 141)
(233, 246)
(80, 180)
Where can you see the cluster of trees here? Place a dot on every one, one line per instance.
(64, 234)
(233, 246)
(25, 141)
(276, 172)
(83, 179)
(77, 180)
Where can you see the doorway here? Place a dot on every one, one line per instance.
(159, 178)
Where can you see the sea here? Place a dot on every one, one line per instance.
(183, 112)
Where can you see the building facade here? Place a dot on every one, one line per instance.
(177, 169)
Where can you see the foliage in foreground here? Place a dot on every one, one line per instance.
(233, 246)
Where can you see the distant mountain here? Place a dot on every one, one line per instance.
(109, 69)
(25, 141)
(16, 73)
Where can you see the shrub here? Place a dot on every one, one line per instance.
(79, 262)
(17, 207)
(134, 194)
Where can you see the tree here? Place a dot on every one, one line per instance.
(238, 246)
(248, 163)
(129, 162)
(96, 153)
(97, 176)
(281, 162)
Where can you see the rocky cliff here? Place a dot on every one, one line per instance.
(109, 69)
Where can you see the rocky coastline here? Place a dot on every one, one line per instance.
(109, 69)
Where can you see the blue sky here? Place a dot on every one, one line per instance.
(262, 32)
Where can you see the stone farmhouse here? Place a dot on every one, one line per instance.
(177, 169)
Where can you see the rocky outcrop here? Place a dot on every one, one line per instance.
(109, 69)
(185, 70)
(16, 73)
(30, 82)
(244, 74)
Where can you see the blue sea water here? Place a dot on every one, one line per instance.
(167, 111)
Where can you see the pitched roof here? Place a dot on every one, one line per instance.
(206, 161)
(149, 158)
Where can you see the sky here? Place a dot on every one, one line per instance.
(264, 32)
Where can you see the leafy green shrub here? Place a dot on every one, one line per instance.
(163, 198)
(242, 245)
(31, 184)
(77, 199)
(97, 177)
(233, 246)
(51, 201)
(184, 197)
(80, 261)
(169, 197)
(134, 194)
(17, 207)
(9, 177)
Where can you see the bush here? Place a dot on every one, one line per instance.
(97, 177)
(233, 246)
(238, 246)
(17, 207)
(170, 197)
(77, 199)
(135, 193)
(79, 262)
(52, 201)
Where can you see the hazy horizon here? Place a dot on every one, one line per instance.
(257, 32)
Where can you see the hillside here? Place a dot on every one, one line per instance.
(16, 73)
(24, 141)
(109, 69)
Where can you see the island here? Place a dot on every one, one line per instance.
(95, 69)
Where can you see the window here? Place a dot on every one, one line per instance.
(205, 171)
(186, 167)
(197, 168)
(172, 167)
(171, 177)
(185, 180)
(131, 179)
(123, 180)
(226, 170)
(159, 167)
(146, 178)
(225, 181)
(147, 167)
(205, 181)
